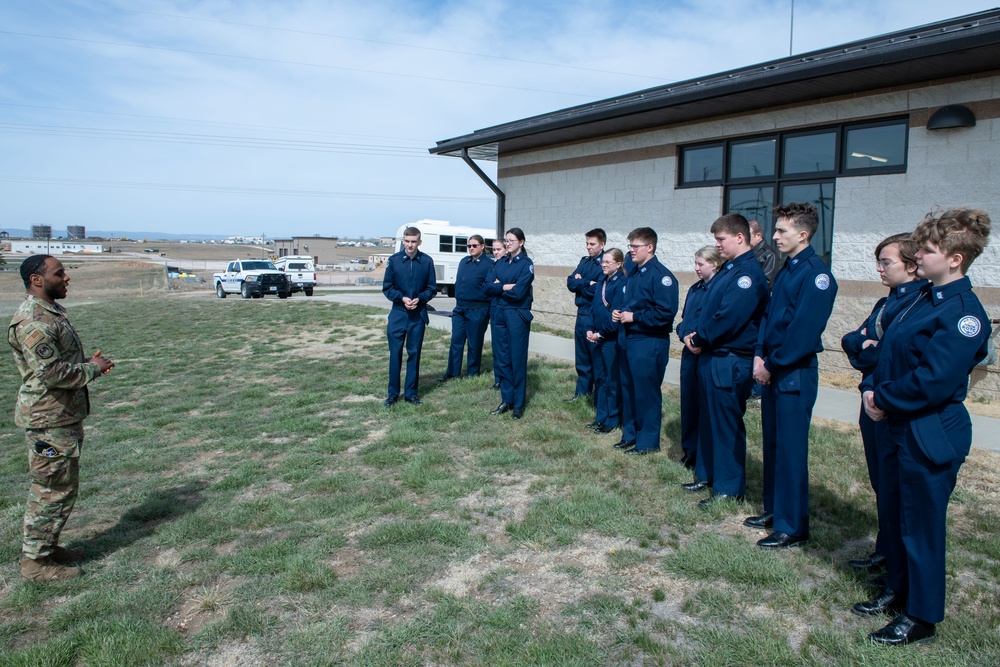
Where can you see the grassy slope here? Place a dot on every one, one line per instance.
(246, 500)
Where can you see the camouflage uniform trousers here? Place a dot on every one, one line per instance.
(54, 466)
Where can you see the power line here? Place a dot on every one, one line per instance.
(408, 46)
(292, 62)
(222, 189)
(197, 121)
(212, 140)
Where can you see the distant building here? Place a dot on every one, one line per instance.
(322, 248)
(246, 240)
(41, 231)
(48, 247)
(76, 232)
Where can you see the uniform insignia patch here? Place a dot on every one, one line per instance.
(667, 282)
(822, 281)
(531, 269)
(744, 282)
(33, 338)
(969, 326)
(642, 270)
(44, 351)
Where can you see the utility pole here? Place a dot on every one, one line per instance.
(791, 29)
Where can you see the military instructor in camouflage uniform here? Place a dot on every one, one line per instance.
(51, 406)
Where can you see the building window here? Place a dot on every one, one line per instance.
(447, 243)
(758, 172)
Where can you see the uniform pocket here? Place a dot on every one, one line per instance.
(49, 462)
(790, 383)
(933, 440)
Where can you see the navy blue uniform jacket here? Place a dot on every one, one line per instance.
(651, 295)
(692, 308)
(734, 305)
(470, 282)
(801, 303)
(410, 278)
(885, 311)
(521, 271)
(589, 269)
(923, 370)
(600, 315)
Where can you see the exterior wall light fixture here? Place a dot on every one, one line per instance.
(955, 115)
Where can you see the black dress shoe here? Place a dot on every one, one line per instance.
(500, 409)
(780, 540)
(903, 630)
(518, 413)
(602, 428)
(885, 602)
(575, 398)
(705, 503)
(445, 378)
(765, 520)
(389, 402)
(496, 386)
(642, 452)
(594, 424)
(696, 485)
(625, 444)
(875, 561)
(413, 401)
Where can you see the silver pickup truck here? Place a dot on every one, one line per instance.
(300, 270)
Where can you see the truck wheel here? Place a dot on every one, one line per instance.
(308, 291)
(218, 290)
(245, 291)
(283, 295)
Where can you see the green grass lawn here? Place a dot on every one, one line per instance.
(246, 500)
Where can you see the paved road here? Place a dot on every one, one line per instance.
(834, 404)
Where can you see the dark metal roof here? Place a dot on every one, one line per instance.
(960, 46)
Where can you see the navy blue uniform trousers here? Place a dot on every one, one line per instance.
(607, 392)
(644, 360)
(499, 344)
(586, 354)
(913, 496)
(724, 382)
(514, 325)
(788, 400)
(468, 325)
(871, 433)
(406, 328)
(689, 406)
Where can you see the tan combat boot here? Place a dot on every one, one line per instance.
(65, 556)
(46, 569)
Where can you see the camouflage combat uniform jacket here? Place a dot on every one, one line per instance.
(54, 371)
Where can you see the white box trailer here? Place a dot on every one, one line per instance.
(446, 244)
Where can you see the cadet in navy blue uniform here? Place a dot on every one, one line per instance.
(706, 262)
(409, 283)
(896, 263)
(471, 315)
(602, 334)
(918, 388)
(647, 316)
(498, 343)
(582, 283)
(786, 366)
(724, 337)
(510, 280)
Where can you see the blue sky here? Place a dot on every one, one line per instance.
(310, 117)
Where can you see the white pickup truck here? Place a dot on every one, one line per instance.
(252, 279)
(300, 270)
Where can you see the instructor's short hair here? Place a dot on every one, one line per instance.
(411, 231)
(597, 233)
(33, 266)
(732, 224)
(643, 234)
(805, 217)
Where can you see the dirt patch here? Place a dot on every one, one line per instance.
(306, 344)
(244, 654)
(492, 513)
(203, 605)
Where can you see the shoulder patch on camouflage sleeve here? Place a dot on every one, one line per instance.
(44, 351)
(33, 338)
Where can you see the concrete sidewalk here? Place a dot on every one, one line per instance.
(833, 404)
